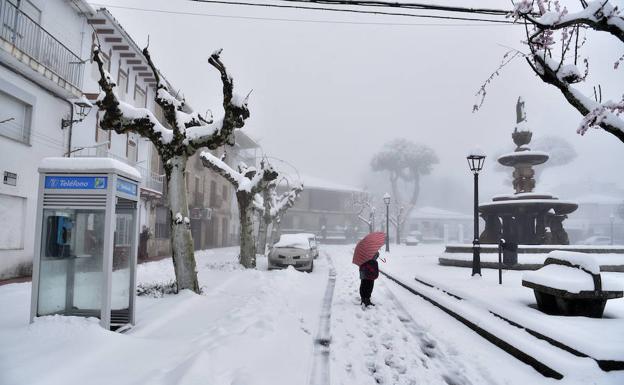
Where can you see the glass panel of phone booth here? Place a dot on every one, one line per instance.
(70, 279)
(125, 232)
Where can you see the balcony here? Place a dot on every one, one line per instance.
(23, 40)
(152, 184)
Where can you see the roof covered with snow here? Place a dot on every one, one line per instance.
(430, 212)
(312, 182)
(88, 165)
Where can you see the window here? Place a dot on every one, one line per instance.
(101, 136)
(122, 84)
(213, 194)
(15, 118)
(156, 164)
(163, 228)
(224, 192)
(131, 149)
(199, 194)
(139, 97)
(325, 200)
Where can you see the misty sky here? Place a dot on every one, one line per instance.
(326, 96)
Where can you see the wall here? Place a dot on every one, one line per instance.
(46, 139)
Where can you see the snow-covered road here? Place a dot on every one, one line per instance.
(255, 327)
(406, 340)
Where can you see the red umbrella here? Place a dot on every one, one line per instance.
(366, 248)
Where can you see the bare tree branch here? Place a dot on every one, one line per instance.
(594, 112)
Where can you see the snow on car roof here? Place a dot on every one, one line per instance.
(299, 241)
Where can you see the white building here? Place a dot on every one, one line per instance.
(135, 81)
(46, 68)
(437, 225)
(42, 47)
(597, 215)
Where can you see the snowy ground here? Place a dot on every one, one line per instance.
(259, 327)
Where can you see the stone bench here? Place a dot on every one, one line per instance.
(570, 284)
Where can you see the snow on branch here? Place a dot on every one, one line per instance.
(596, 114)
(246, 179)
(554, 38)
(600, 15)
(285, 201)
(123, 117)
(189, 130)
(220, 167)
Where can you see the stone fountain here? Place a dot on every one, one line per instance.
(525, 217)
(531, 220)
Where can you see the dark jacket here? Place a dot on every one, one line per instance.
(369, 270)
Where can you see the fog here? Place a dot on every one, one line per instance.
(327, 96)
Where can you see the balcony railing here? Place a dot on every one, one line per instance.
(32, 39)
(149, 180)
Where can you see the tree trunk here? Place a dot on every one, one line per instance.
(276, 233)
(247, 240)
(262, 235)
(181, 239)
(398, 232)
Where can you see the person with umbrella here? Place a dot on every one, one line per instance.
(365, 256)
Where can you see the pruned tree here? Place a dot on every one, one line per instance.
(555, 37)
(188, 132)
(364, 209)
(249, 184)
(274, 207)
(404, 161)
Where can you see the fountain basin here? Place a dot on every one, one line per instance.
(527, 206)
(519, 158)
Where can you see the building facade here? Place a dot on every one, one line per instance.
(326, 209)
(46, 73)
(435, 225)
(42, 47)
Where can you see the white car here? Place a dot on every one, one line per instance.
(292, 250)
(413, 238)
(313, 243)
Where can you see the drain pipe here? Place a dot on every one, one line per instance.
(71, 126)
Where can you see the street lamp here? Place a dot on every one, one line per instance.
(475, 162)
(612, 219)
(84, 107)
(386, 199)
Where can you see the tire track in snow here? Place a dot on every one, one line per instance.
(320, 365)
(384, 344)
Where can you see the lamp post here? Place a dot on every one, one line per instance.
(612, 219)
(84, 107)
(386, 199)
(475, 162)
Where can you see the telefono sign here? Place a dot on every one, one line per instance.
(76, 182)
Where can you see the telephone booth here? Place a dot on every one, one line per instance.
(86, 242)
